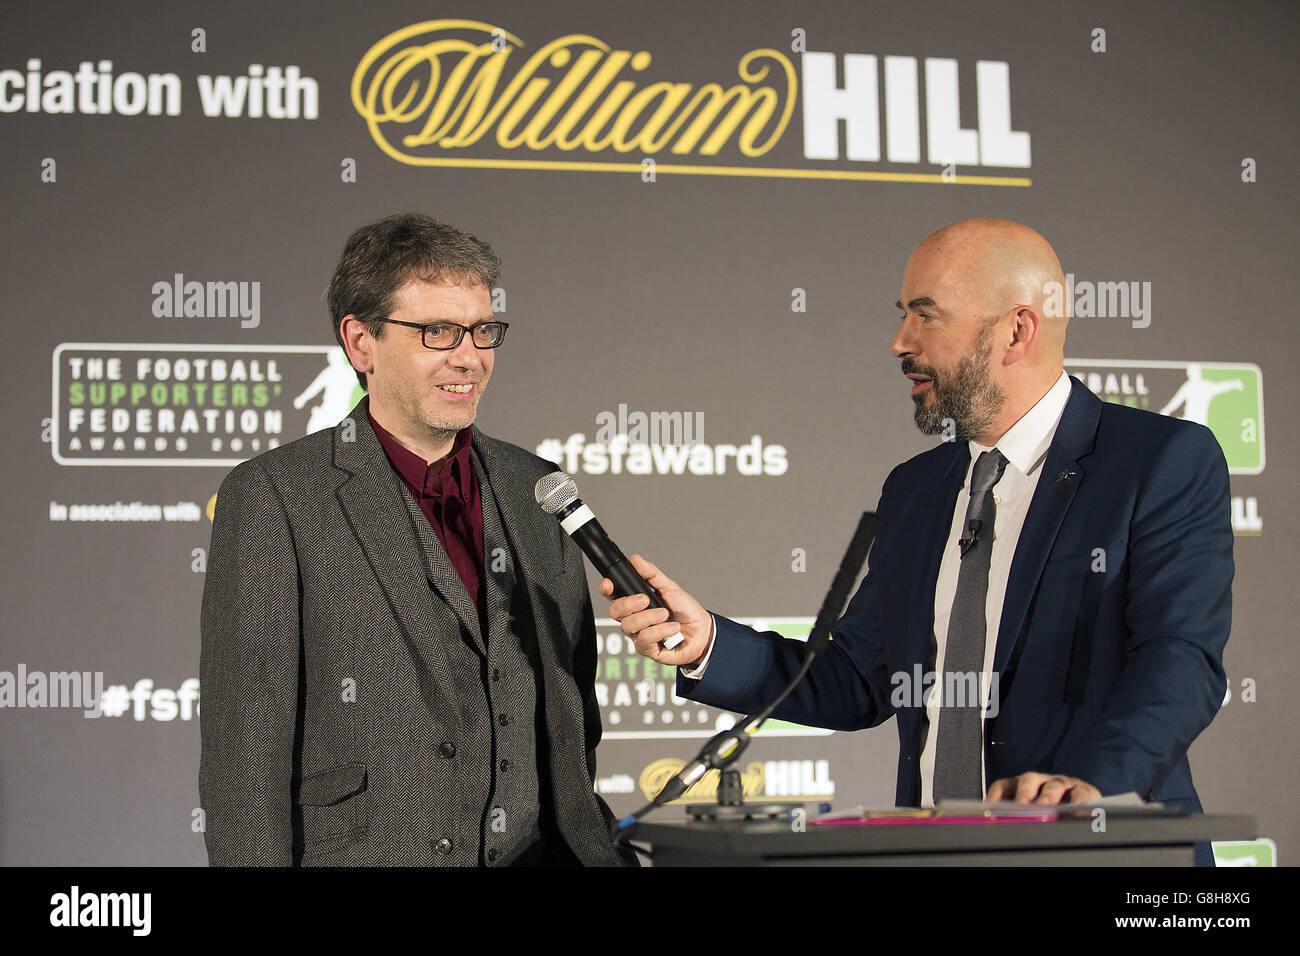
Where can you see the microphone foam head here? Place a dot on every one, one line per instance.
(554, 491)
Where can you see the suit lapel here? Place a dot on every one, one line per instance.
(529, 531)
(934, 523)
(493, 540)
(1061, 476)
(371, 498)
(531, 536)
(443, 575)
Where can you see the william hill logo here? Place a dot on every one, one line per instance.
(469, 94)
(770, 780)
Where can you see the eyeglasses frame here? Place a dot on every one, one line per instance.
(460, 336)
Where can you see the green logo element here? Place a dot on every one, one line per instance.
(1229, 400)
(1245, 853)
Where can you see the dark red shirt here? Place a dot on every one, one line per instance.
(449, 497)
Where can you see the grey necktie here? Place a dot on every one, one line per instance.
(958, 753)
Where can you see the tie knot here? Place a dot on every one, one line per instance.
(988, 469)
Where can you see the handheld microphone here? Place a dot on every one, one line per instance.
(558, 495)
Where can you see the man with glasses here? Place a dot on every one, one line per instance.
(399, 651)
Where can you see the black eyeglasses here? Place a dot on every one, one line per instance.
(447, 335)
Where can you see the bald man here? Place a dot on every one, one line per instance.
(1057, 571)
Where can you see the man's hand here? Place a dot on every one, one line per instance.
(1043, 788)
(647, 626)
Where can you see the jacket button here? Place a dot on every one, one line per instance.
(443, 846)
(492, 855)
(496, 674)
(447, 749)
(502, 719)
(504, 765)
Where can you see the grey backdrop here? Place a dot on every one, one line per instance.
(667, 295)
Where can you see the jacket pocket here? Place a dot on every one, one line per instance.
(334, 806)
(1069, 566)
(331, 787)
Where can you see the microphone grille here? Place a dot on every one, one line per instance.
(555, 490)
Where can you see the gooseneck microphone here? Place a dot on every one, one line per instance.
(558, 495)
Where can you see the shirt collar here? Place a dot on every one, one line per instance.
(1025, 444)
(424, 479)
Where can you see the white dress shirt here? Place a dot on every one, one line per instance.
(1025, 447)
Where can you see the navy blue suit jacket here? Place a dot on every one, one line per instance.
(1109, 654)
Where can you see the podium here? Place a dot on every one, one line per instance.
(1126, 841)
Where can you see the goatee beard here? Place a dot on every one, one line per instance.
(965, 401)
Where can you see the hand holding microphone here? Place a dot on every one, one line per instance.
(648, 626)
(558, 495)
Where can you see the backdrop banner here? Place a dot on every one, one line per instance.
(703, 211)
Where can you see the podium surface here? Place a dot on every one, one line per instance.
(1141, 840)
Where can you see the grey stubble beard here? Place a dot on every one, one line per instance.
(967, 396)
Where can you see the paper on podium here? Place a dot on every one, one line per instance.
(999, 811)
(1123, 804)
(894, 816)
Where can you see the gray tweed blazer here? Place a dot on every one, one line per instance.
(326, 693)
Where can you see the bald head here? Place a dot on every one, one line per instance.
(997, 264)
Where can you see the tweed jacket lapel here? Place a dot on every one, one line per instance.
(538, 551)
(497, 567)
(442, 573)
(371, 499)
(530, 534)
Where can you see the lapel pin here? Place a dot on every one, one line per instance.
(1065, 475)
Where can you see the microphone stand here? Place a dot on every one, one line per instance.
(725, 747)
